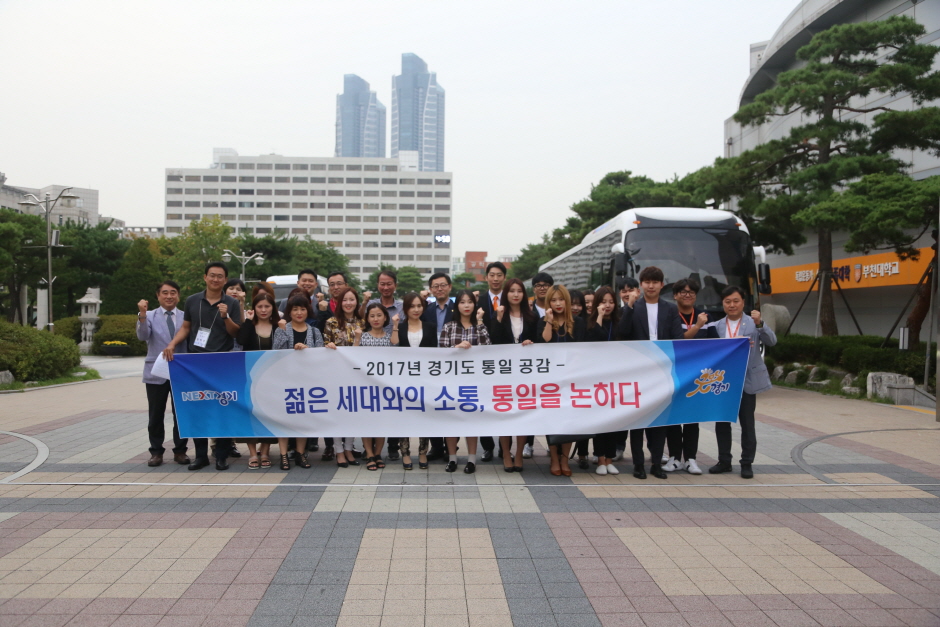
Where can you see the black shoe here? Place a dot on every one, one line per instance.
(221, 464)
(234, 452)
(746, 471)
(471, 468)
(357, 454)
(583, 463)
(657, 471)
(451, 467)
(199, 462)
(487, 456)
(435, 454)
(313, 448)
(719, 468)
(639, 471)
(393, 454)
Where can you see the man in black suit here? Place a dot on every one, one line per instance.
(649, 318)
(440, 312)
(489, 302)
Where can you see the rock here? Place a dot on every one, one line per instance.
(817, 384)
(848, 389)
(79, 374)
(814, 373)
(848, 380)
(777, 317)
(791, 378)
(6, 377)
(778, 373)
(31, 384)
(796, 365)
(836, 373)
(878, 382)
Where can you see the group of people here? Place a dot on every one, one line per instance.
(223, 317)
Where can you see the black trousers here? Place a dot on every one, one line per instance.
(605, 444)
(748, 436)
(655, 442)
(581, 447)
(487, 443)
(223, 446)
(157, 396)
(683, 441)
(392, 444)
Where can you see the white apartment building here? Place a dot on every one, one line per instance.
(370, 209)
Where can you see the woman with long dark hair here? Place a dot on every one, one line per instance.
(417, 332)
(466, 330)
(602, 327)
(257, 334)
(514, 323)
(344, 328)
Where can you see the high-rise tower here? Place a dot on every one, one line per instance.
(418, 114)
(360, 120)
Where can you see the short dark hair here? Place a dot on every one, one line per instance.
(499, 265)
(681, 284)
(390, 274)
(732, 289)
(439, 275)
(378, 305)
(543, 277)
(216, 264)
(652, 273)
(627, 282)
(233, 282)
(336, 273)
(408, 299)
(172, 284)
(298, 300)
(577, 296)
(307, 271)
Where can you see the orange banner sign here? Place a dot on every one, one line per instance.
(878, 270)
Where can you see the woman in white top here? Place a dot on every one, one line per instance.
(416, 333)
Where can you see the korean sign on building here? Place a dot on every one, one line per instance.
(878, 270)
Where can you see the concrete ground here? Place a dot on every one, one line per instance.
(840, 526)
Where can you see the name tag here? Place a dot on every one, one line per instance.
(202, 337)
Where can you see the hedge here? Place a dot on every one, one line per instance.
(33, 355)
(69, 327)
(122, 328)
(855, 353)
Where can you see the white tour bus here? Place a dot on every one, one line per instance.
(708, 245)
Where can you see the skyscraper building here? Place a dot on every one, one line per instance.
(360, 120)
(418, 114)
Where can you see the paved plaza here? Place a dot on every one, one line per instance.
(840, 526)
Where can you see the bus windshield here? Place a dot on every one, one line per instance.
(715, 258)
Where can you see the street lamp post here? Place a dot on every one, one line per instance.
(47, 206)
(243, 258)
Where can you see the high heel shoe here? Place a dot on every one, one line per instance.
(285, 462)
(423, 465)
(301, 460)
(406, 465)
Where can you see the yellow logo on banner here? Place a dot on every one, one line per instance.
(711, 381)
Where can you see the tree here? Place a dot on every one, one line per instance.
(136, 278)
(323, 259)
(465, 279)
(409, 280)
(90, 257)
(279, 252)
(790, 179)
(20, 268)
(201, 242)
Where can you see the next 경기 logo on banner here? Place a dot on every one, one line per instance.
(493, 390)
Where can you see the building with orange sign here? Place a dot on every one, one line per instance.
(876, 285)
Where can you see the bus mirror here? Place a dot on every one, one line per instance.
(763, 278)
(620, 264)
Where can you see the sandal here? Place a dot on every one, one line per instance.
(328, 454)
(285, 462)
(265, 462)
(372, 465)
(378, 461)
(253, 463)
(301, 460)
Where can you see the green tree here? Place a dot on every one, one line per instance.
(792, 178)
(323, 259)
(20, 267)
(465, 279)
(90, 257)
(279, 251)
(136, 278)
(409, 280)
(199, 243)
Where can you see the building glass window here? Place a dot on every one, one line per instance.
(298, 218)
(281, 218)
(265, 166)
(210, 203)
(191, 203)
(336, 166)
(246, 205)
(246, 179)
(192, 216)
(174, 190)
(264, 179)
(243, 216)
(174, 203)
(174, 216)
(370, 168)
(282, 179)
(174, 178)
(282, 166)
(301, 166)
(246, 192)
(210, 178)
(299, 179)
(229, 179)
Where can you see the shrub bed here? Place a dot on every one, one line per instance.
(70, 328)
(33, 355)
(120, 328)
(855, 353)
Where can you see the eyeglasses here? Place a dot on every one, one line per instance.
(685, 293)
(440, 286)
(541, 286)
(337, 284)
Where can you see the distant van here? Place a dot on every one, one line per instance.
(284, 284)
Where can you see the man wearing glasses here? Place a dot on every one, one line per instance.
(440, 310)
(540, 284)
(326, 308)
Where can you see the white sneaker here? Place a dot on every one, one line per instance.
(693, 468)
(611, 469)
(672, 464)
(601, 469)
(595, 461)
(619, 456)
(527, 451)
(665, 460)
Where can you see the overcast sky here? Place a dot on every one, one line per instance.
(543, 98)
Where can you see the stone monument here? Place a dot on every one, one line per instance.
(91, 303)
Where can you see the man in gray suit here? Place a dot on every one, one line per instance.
(157, 328)
(756, 380)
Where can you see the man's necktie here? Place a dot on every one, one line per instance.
(170, 324)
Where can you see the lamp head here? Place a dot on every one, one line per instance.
(226, 257)
(28, 203)
(259, 261)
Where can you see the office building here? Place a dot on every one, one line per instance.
(371, 209)
(81, 210)
(418, 114)
(360, 120)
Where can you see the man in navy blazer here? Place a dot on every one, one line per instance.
(440, 311)
(157, 328)
(649, 318)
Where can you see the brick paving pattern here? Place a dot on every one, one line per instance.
(96, 537)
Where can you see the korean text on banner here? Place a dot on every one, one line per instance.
(485, 390)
